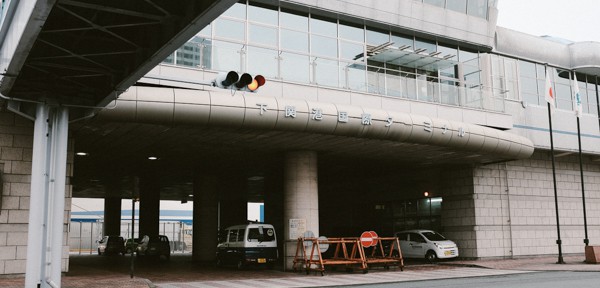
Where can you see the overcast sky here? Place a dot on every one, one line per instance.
(575, 20)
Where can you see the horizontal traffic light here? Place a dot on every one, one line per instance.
(245, 82)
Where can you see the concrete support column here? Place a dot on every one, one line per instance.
(300, 200)
(112, 216)
(234, 199)
(206, 220)
(274, 201)
(149, 204)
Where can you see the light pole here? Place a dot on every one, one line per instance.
(426, 194)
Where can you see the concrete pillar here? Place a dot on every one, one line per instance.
(300, 199)
(204, 241)
(274, 201)
(112, 216)
(234, 200)
(149, 204)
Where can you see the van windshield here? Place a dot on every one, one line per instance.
(433, 236)
(261, 234)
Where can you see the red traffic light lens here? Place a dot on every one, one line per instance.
(258, 81)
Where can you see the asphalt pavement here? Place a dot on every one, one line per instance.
(89, 271)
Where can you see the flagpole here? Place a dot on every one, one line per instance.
(586, 240)
(558, 241)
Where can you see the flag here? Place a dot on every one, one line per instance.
(578, 108)
(549, 93)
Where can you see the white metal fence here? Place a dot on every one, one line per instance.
(83, 236)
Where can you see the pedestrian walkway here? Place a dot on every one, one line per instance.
(346, 279)
(91, 271)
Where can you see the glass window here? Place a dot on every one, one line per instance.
(233, 235)
(322, 26)
(435, 2)
(260, 234)
(354, 76)
(425, 44)
(401, 40)
(563, 96)
(376, 80)
(226, 56)
(377, 37)
(326, 72)
(294, 20)
(240, 235)
(464, 55)
(448, 50)
(294, 40)
(205, 31)
(263, 13)
(457, 5)
(592, 99)
(259, 34)
(393, 83)
(238, 10)
(262, 61)
(414, 237)
(230, 29)
(295, 67)
(529, 85)
(527, 68)
(477, 8)
(351, 51)
(323, 46)
(352, 32)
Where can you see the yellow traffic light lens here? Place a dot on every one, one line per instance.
(253, 85)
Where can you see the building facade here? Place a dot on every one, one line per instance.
(367, 106)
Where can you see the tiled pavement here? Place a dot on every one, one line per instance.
(94, 271)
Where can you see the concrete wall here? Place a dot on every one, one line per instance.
(505, 210)
(16, 142)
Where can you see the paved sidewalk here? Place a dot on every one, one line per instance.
(545, 263)
(95, 271)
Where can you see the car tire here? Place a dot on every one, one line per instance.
(240, 264)
(219, 262)
(431, 257)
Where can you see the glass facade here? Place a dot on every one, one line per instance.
(477, 8)
(305, 48)
(530, 84)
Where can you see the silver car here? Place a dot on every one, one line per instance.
(426, 244)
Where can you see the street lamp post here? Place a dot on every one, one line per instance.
(426, 194)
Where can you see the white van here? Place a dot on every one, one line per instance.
(426, 244)
(247, 244)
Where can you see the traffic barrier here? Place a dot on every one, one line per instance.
(349, 252)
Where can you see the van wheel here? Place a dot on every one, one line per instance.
(431, 257)
(219, 262)
(240, 264)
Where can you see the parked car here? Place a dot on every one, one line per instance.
(110, 245)
(426, 244)
(157, 246)
(242, 245)
(131, 245)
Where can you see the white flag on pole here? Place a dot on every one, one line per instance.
(578, 108)
(549, 93)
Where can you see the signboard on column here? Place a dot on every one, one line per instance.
(297, 227)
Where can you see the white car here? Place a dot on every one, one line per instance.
(426, 244)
